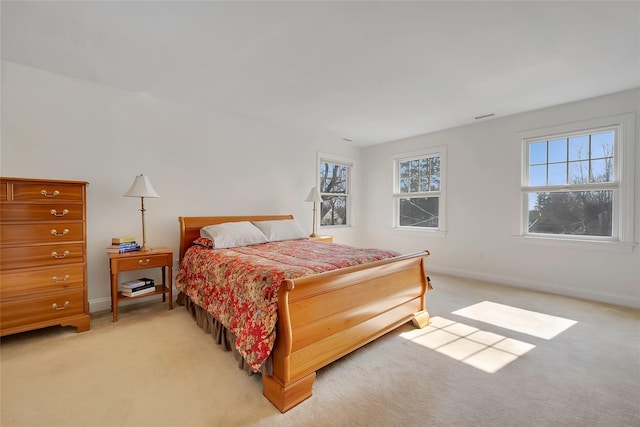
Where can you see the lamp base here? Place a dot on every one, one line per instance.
(313, 235)
(145, 248)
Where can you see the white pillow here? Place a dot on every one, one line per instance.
(233, 234)
(286, 229)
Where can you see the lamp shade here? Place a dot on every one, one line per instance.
(141, 187)
(314, 196)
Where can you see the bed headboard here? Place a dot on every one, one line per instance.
(190, 225)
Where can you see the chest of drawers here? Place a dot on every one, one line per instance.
(43, 254)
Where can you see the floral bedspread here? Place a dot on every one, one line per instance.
(239, 286)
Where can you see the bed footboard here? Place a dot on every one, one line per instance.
(326, 316)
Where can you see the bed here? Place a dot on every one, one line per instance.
(322, 316)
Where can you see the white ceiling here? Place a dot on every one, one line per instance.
(368, 71)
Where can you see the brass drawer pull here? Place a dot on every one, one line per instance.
(141, 262)
(55, 232)
(55, 213)
(46, 194)
(64, 279)
(55, 306)
(56, 256)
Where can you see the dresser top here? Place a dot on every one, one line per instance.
(59, 181)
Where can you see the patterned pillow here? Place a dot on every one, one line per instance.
(204, 242)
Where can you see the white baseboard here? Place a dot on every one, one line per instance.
(99, 304)
(606, 297)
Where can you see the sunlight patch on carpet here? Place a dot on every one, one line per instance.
(483, 350)
(528, 322)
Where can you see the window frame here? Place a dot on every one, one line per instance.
(439, 151)
(622, 232)
(351, 165)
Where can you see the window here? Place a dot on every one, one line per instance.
(570, 184)
(335, 189)
(575, 184)
(419, 190)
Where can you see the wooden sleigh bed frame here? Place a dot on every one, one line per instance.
(328, 315)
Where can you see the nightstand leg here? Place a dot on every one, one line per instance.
(114, 296)
(164, 281)
(170, 282)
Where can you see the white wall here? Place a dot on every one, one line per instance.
(481, 172)
(203, 163)
(199, 162)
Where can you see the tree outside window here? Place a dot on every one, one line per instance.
(335, 186)
(570, 185)
(418, 194)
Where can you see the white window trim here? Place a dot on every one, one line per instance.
(623, 235)
(441, 151)
(341, 160)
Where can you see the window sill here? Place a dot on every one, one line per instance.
(337, 226)
(430, 231)
(594, 245)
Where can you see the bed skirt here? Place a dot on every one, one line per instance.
(223, 337)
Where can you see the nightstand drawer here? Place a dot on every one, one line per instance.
(23, 282)
(45, 255)
(141, 261)
(39, 309)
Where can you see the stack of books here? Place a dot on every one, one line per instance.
(133, 288)
(123, 244)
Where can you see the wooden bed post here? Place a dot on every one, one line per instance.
(281, 391)
(286, 396)
(421, 319)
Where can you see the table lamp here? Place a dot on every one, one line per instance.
(315, 197)
(142, 188)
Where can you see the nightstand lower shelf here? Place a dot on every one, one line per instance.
(160, 290)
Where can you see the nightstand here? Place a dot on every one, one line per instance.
(328, 239)
(158, 257)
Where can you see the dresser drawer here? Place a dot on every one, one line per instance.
(139, 261)
(41, 212)
(24, 282)
(42, 308)
(47, 191)
(3, 190)
(19, 234)
(40, 256)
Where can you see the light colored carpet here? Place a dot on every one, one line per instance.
(157, 368)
